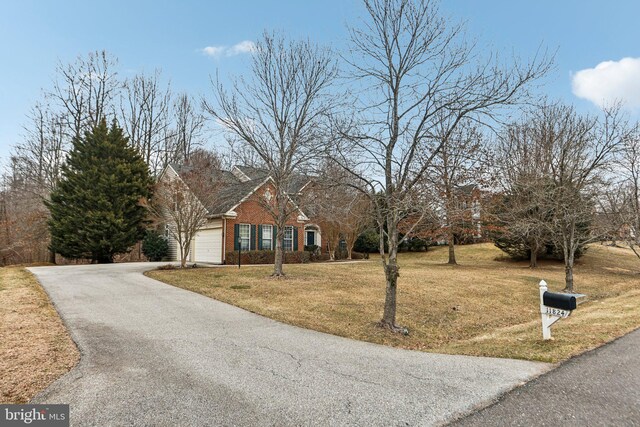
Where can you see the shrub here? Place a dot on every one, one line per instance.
(154, 246)
(314, 252)
(367, 242)
(517, 249)
(415, 244)
(267, 257)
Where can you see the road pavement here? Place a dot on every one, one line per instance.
(154, 354)
(599, 388)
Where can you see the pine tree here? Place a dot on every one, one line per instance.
(96, 211)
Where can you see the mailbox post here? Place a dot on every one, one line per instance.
(553, 307)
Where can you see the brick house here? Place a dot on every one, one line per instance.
(238, 218)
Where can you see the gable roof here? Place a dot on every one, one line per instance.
(234, 188)
(247, 173)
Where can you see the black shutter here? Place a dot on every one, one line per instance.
(236, 236)
(259, 237)
(252, 243)
(273, 242)
(295, 238)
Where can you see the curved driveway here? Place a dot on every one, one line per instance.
(153, 354)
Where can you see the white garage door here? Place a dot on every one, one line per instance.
(208, 246)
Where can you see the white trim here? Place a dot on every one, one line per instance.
(261, 238)
(301, 218)
(240, 239)
(224, 240)
(284, 238)
(244, 175)
(304, 186)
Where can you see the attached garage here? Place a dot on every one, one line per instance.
(207, 246)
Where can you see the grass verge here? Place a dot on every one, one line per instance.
(35, 348)
(486, 306)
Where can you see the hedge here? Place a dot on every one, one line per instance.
(267, 257)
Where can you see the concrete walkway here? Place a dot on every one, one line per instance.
(153, 354)
(599, 388)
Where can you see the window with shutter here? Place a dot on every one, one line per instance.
(287, 243)
(267, 237)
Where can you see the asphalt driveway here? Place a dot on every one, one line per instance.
(153, 354)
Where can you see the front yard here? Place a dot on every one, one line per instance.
(487, 306)
(35, 348)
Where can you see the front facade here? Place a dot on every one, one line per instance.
(239, 220)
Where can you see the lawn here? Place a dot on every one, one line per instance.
(486, 306)
(35, 348)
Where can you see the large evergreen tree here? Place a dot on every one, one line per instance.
(96, 211)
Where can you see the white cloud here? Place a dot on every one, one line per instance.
(245, 46)
(610, 81)
(214, 51)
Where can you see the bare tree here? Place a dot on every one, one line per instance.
(182, 202)
(458, 163)
(144, 112)
(620, 201)
(280, 113)
(415, 73)
(42, 152)
(357, 218)
(85, 91)
(524, 209)
(572, 151)
(189, 126)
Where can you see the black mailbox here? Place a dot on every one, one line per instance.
(561, 301)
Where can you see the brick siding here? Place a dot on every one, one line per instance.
(251, 212)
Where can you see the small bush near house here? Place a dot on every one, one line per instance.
(321, 257)
(154, 246)
(415, 244)
(367, 242)
(267, 257)
(314, 252)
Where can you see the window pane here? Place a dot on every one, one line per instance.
(288, 238)
(245, 233)
(267, 231)
(266, 244)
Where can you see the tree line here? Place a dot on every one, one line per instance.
(400, 121)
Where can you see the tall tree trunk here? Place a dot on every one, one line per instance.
(568, 278)
(391, 272)
(533, 261)
(449, 212)
(279, 254)
(569, 251)
(52, 256)
(452, 253)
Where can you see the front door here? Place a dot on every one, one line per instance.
(311, 238)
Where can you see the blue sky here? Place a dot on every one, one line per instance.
(146, 35)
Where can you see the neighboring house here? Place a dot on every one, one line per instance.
(469, 203)
(468, 215)
(238, 219)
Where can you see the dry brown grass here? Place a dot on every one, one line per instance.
(487, 306)
(35, 348)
